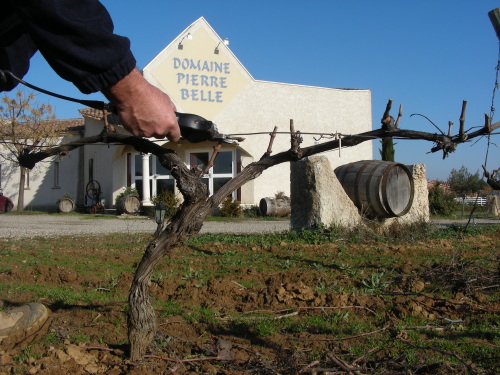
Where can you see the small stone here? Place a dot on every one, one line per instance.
(63, 357)
(34, 370)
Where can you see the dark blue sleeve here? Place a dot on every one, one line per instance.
(77, 40)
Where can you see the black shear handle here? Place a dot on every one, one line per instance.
(96, 104)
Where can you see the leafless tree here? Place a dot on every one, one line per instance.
(24, 126)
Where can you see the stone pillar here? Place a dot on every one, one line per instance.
(317, 197)
(146, 197)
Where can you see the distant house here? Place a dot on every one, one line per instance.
(444, 185)
(51, 179)
(202, 76)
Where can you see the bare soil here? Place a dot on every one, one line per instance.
(347, 306)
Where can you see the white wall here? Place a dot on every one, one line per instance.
(42, 193)
(263, 105)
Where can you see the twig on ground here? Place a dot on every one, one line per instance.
(335, 308)
(365, 355)
(241, 286)
(427, 328)
(183, 360)
(349, 337)
(308, 308)
(308, 367)
(344, 366)
(294, 313)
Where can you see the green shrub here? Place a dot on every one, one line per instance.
(65, 196)
(281, 195)
(251, 212)
(441, 202)
(169, 200)
(230, 208)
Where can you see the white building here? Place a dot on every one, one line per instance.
(51, 179)
(202, 76)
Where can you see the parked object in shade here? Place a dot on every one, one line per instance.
(278, 207)
(379, 189)
(6, 204)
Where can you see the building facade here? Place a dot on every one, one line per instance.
(202, 76)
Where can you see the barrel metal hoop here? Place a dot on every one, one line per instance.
(377, 201)
(383, 186)
(357, 201)
(412, 191)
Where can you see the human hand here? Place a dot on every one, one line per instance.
(144, 110)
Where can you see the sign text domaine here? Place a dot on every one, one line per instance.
(201, 80)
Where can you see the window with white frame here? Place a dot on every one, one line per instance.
(223, 170)
(160, 177)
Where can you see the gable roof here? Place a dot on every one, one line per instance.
(200, 23)
(72, 124)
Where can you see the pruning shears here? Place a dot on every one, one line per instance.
(197, 129)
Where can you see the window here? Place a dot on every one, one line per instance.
(162, 180)
(199, 160)
(159, 177)
(222, 171)
(56, 174)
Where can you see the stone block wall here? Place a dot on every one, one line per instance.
(318, 198)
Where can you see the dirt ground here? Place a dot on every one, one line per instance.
(333, 308)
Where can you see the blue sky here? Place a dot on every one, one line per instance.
(426, 55)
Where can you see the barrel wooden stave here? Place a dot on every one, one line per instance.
(378, 188)
(130, 204)
(276, 207)
(65, 205)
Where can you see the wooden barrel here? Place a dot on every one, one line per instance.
(65, 205)
(277, 207)
(379, 189)
(130, 204)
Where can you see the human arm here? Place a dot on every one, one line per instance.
(77, 40)
(144, 110)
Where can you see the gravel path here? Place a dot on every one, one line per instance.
(22, 226)
(19, 226)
